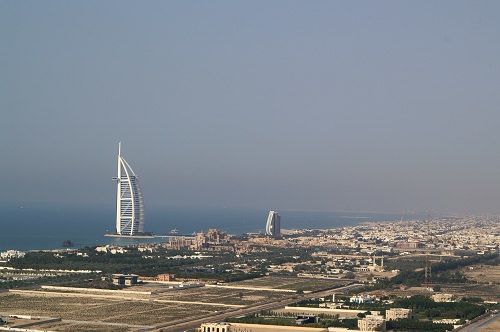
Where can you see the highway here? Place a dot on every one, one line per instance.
(488, 319)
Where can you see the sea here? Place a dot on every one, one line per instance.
(44, 227)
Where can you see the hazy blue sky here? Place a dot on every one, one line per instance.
(321, 105)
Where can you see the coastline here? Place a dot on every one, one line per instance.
(130, 236)
(88, 227)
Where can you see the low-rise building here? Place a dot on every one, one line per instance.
(441, 297)
(125, 279)
(306, 319)
(398, 313)
(372, 323)
(165, 277)
(362, 299)
(215, 327)
(12, 254)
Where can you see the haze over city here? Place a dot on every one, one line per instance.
(366, 106)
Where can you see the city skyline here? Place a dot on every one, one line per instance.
(327, 106)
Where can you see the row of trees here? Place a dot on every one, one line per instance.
(288, 319)
(160, 261)
(417, 325)
(66, 278)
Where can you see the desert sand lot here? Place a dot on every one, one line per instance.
(483, 273)
(494, 327)
(125, 312)
(75, 327)
(486, 285)
(145, 313)
(488, 282)
(486, 292)
(305, 284)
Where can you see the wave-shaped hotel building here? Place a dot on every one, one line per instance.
(273, 224)
(129, 201)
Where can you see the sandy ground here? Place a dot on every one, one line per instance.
(493, 327)
(124, 312)
(483, 273)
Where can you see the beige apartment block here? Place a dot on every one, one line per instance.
(371, 323)
(398, 313)
(440, 297)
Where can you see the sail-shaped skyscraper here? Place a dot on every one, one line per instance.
(129, 202)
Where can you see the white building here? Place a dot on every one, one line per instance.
(362, 299)
(12, 254)
(273, 225)
(129, 202)
(215, 327)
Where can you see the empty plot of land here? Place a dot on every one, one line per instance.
(483, 291)
(35, 305)
(153, 314)
(483, 273)
(109, 312)
(100, 310)
(306, 284)
(493, 327)
(221, 295)
(70, 326)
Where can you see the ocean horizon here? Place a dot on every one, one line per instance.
(43, 227)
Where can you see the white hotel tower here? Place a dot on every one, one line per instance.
(273, 225)
(129, 202)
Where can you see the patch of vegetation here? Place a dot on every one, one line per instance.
(417, 325)
(99, 284)
(58, 279)
(288, 319)
(425, 307)
(442, 272)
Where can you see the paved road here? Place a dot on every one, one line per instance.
(477, 326)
